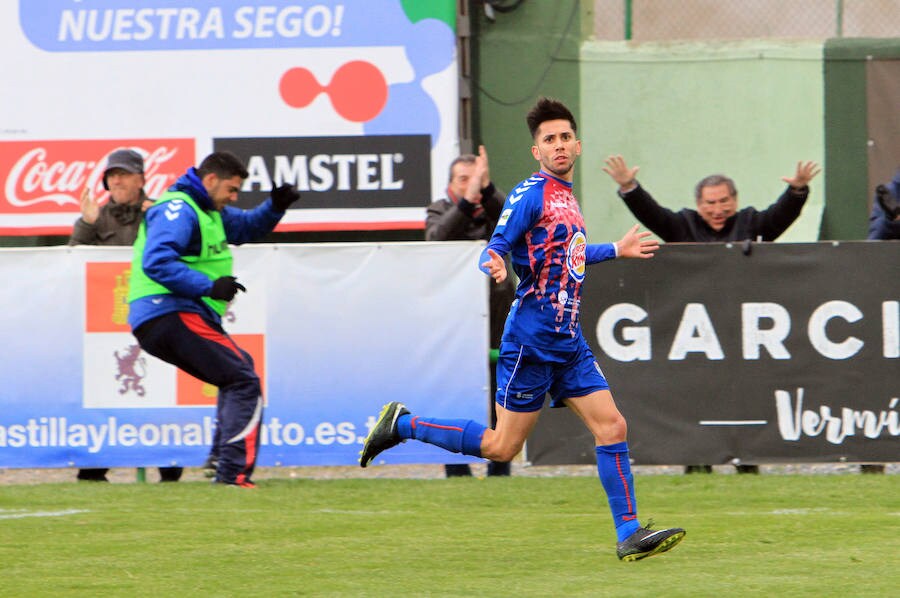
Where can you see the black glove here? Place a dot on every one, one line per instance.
(887, 201)
(283, 196)
(225, 288)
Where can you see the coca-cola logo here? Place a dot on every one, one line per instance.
(47, 176)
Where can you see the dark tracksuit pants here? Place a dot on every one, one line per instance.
(204, 350)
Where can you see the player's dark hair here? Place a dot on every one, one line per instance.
(222, 164)
(548, 109)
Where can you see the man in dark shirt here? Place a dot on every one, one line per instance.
(470, 213)
(717, 217)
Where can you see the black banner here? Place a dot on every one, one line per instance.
(783, 353)
(372, 171)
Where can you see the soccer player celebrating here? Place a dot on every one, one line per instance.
(543, 349)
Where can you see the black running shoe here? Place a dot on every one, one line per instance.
(383, 434)
(647, 542)
(209, 467)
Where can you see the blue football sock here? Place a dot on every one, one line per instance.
(455, 435)
(615, 474)
(403, 427)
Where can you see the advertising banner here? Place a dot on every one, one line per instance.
(780, 353)
(335, 331)
(353, 101)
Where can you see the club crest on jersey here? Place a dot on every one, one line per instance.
(575, 256)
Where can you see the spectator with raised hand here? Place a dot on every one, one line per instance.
(116, 222)
(717, 217)
(470, 213)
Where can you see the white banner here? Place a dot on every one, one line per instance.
(335, 330)
(293, 81)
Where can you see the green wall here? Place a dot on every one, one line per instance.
(847, 133)
(682, 111)
(522, 55)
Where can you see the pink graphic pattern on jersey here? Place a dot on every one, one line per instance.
(549, 243)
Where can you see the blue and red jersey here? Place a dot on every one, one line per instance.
(541, 225)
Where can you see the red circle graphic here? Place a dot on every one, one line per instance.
(358, 91)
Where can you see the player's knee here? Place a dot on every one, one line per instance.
(502, 451)
(616, 429)
(501, 444)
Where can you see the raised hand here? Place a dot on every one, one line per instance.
(620, 173)
(481, 177)
(283, 196)
(90, 209)
(806, 171)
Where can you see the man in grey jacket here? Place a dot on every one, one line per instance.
(116, 223)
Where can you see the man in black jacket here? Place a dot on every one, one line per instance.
(717, 217)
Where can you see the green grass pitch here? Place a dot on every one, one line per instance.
(766, 535)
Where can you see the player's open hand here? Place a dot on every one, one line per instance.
(636, 244)
(496, 266)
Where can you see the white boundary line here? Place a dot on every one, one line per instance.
(21, 513)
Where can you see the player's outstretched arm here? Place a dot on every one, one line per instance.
(636, 244)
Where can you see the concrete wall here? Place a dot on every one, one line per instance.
(682, 111)
(524, 54)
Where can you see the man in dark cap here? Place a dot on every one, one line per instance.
(116, 223)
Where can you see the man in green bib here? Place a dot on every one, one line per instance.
(181, 284)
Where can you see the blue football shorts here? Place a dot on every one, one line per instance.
(526, 374)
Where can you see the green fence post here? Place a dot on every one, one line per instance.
(141, 475)
(628, 9)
